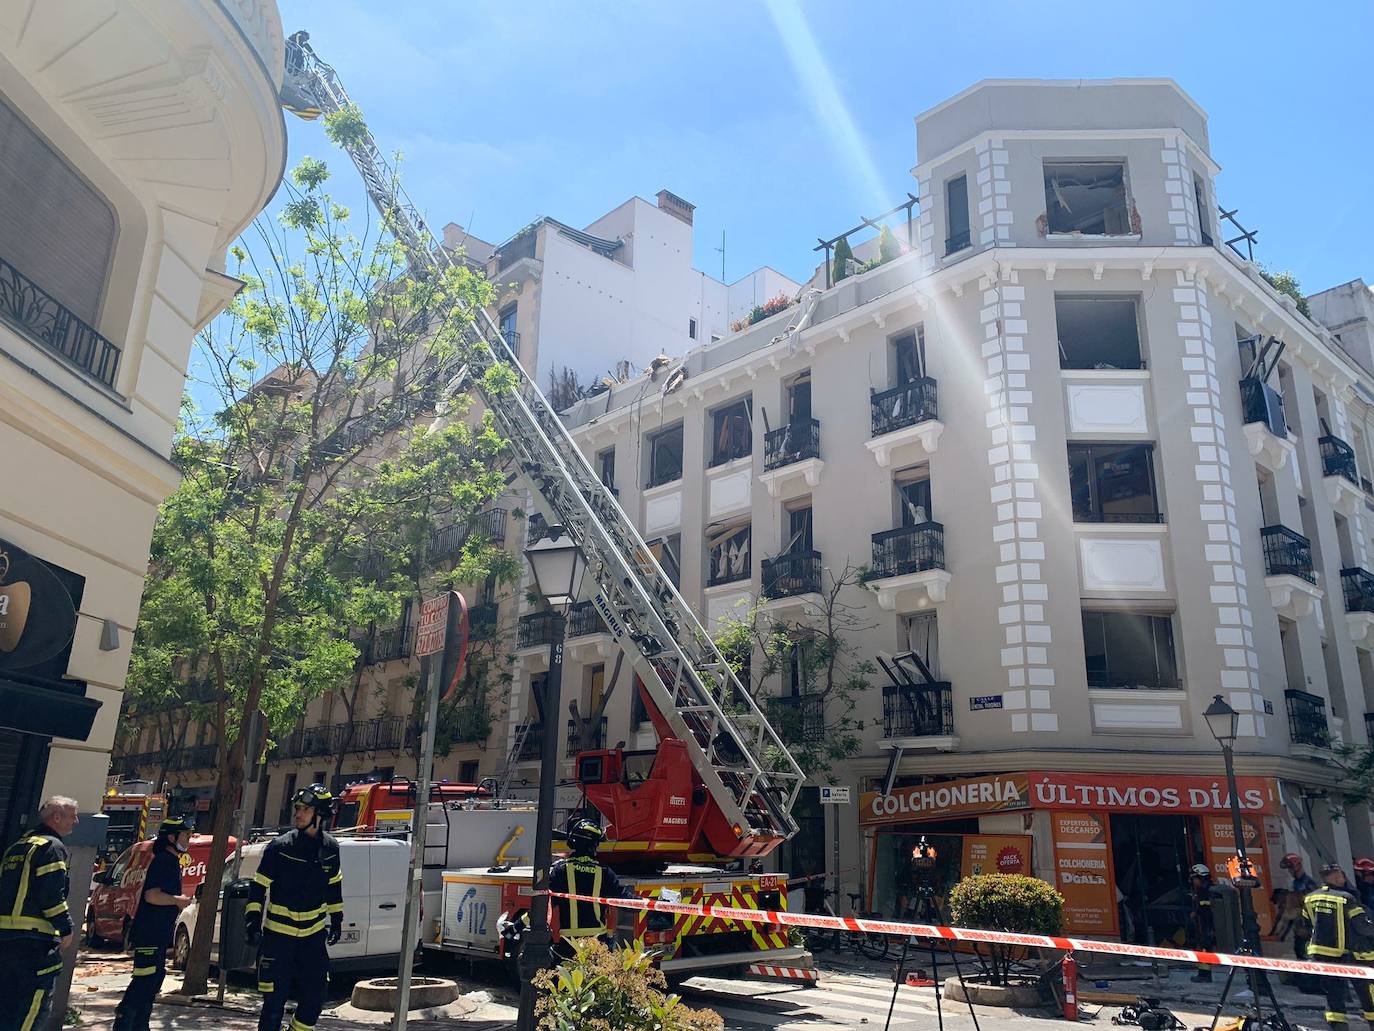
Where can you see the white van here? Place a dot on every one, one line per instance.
(374, 879)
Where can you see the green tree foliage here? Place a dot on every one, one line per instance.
(1286, 283)
(843, 253)
(888, 247)
(312, 490)
(1006, 902)
(601, 990)
(818, 725)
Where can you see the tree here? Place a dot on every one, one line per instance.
(819, 657)
(843, 254)
(1006, 902)
(1287, 284)
(888, 247)
(301, 475)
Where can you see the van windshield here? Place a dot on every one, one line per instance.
(348, 815)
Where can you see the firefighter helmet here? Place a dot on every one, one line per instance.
(171, 827)
(1364, 865)
(1291, 861)
(316, 797)
(584, 837)
(1200, 870)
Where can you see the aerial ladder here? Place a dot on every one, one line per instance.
(749, 778)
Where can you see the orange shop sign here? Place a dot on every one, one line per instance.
(1141, 793)
(948, 798)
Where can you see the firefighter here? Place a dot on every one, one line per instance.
(1303, 883)
(583, 874)
(35, 926)
(1342, 930)
(295, 906)
(1364, 881)
(1203, 930)
(160, 900)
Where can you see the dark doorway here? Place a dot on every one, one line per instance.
(1151, 856)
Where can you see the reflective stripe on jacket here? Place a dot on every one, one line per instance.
(299, 884)
(33, 888)
(1340, 924)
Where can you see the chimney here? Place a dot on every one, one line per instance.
(675, 206)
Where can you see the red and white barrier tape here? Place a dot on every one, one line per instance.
(968, 934)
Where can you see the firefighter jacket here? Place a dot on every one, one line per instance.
(298, 888)
(33, 888)
(583, 875)
(1340, 925)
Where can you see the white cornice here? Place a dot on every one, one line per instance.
(1173, 136)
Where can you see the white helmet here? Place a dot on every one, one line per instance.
(1200, 870)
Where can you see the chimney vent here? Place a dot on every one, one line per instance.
(675, 206)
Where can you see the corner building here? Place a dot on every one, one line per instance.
(1048, 433)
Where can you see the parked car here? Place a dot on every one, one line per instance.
(374, 879)
(115, 892)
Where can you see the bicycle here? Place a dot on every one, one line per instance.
(861, 943)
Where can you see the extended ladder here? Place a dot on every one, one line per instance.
(745, 766)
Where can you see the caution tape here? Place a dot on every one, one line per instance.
(969, 934)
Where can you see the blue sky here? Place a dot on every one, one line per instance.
(507, 111)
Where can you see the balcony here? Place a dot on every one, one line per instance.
(535, 630)
(1307, 719)
(387, 645)
(35, 315)
(448, 542)
(1289, 575)
(958, 242)
(922, 711)
(482, 621)
(908, 569)
(792, 459)
(1340, 476)
(532, 747)
(905, 421)
(1266, 429)
(588, 635)
(584, 619)
(1357, 589)
(596, 738)
(384, 734)
(793, 575)
(798, 719)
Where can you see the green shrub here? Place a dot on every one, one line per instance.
(888, 247)
(843, 253)
(1006, 902)
(601, 990)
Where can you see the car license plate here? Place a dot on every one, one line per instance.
(350, 938)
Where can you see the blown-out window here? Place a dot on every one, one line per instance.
(732, 431)
(1087, 198)
(665, 456)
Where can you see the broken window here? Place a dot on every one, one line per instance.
(665, 456)
(956, 215)
(922, 637)
(727, 551)
(1097, 332)
(667, 551)
(1129, 650)
(799, 399)
(605, 468)
(913, 498)
(732, 431)
(1113, 483)
(909, 356)
(799, 537)
(1087, 198)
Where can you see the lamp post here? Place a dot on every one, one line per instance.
(1223, 721)
(558, 566)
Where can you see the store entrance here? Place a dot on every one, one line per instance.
(1151, 856)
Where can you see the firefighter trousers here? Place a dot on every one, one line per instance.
(282, 961)
(1335, 988)
(135, 1010)
(28, 976)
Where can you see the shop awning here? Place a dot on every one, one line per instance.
(32, 708)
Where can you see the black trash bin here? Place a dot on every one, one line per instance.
(234, 951)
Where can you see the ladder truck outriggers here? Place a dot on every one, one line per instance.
(717, 794)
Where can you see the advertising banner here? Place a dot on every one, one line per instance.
(1134, 793)
(996, 853)
(1220, 837)
(949, 798)
(1083, 872)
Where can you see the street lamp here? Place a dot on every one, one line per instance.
(558, 566)
(1224, 723)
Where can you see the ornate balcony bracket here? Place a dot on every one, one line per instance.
(1361, 626)
(1265, 447)
(912, 591)
(920, 438)
(1345, 497)
(786, 480)
(941, 743)
(1292, 596)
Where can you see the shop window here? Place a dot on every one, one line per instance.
(1097, 332)
(1113, 483)
(667, 551)
(1130, 650)
(1087, 198)
(727, 550)
(467, 771)
(956, 215)
(605, 467)
(732, 431)
(665, 456)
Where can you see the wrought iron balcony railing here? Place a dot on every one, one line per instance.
(596, 737)
(925, 710)
(792, 443)
(1338, 458)
(533, 745)
(584, 619)
(903, 406)
(1357, 585)
(792, 574)
(535, 630)
(911, 549)
(387, 644)
(958, 242)
(30, 310)
(1307, 719)
(1287, 553)
(799, 719)
(383, 734)
(1262, 403)
(450, 540)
